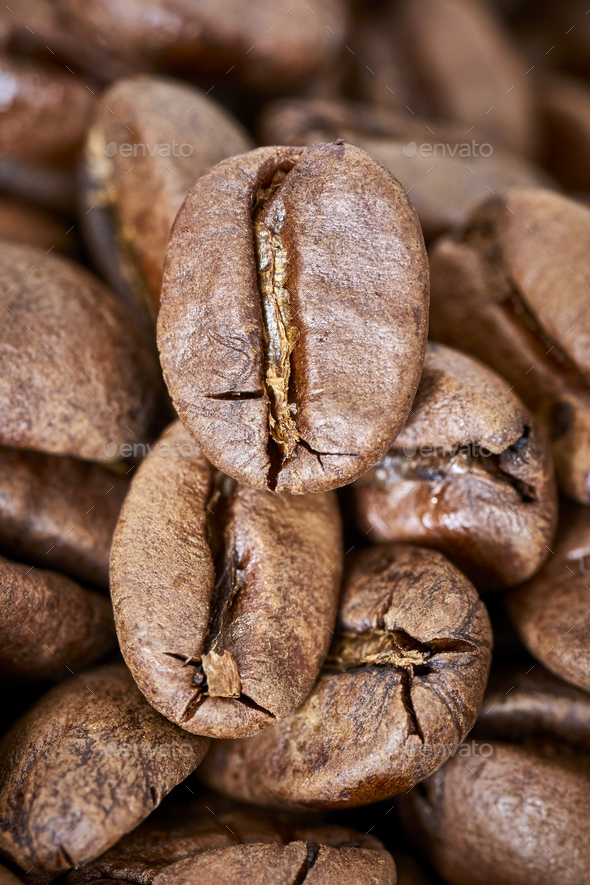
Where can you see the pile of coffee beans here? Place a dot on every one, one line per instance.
(294, 442)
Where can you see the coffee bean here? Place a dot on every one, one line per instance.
(59, 513)
(294, 365)
(509, 289)
(199, 844)
(150, 141)
(468, 475)
(50, 624)
(462, 64)
(84, 766)
(224, 596)
(401, 687)
(45, 113)
(515, 817)
(266, 45)
(550, 611)
(464, 176)
(76, 377)
(535, 706)
(284, 864)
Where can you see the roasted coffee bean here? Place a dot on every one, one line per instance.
(464, 67)
(134, 197)
(401, 687)
(59, 512)
(513, 817)
(265, 44)
(83, 767)
(468, 475)
(294, 364)
(225, 596)
(206, 845)
(510, 289)
(535, 706)
(513, 813)
(272, 864)
(550, 611)
(44, 114)
(50, 624)
(76, 377)
(443, 194)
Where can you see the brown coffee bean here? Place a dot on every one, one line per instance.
(468, 475)
(202, 843)
(76, 377)
(44, 112)
(510, 289)
(136, 181)
(294, 365)
(514, 817)
(59, 512)
(550, 611)
(49, 623)
(564, 105)
(465, 67)
(268, 45)
(282, 865)
(84, 766)
(535, 706)
(443, 194)
(401, 687)
(225, 596)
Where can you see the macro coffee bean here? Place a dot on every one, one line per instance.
(468, 475)
(510, 288)
(550, 611)
(59, 513)
(294, 365)
(43, 118)
(515, 812)
(266, 45)
(50, 624)
(515, 817)
(76, 377)
(225, 596)
(178, 844)
(533, 705)
(45, 112)
(152, 138)
(464, 67)
(401, 686)
(84, 766)
(445, 173)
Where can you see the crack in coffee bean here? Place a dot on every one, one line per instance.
(442, 466)
(395, 649)
(216, 672)
(280, 332)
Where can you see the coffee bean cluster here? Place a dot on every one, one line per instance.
(294, 442)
